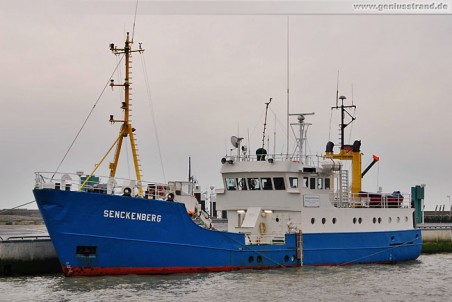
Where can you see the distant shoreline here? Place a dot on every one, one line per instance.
(20, 217)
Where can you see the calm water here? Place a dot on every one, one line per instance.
(427, 279)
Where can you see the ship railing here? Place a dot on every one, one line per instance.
(311, 160)
(100, 184)
(372, 200)
(268, 239)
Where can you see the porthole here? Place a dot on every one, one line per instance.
(293, 258)
(389, 219)
(392, 238)
(417, 236)
(374, 220)
(323, 220)
(312, 220)
(379, 219)
(406, 218)
(334, 220)
(259, 259)
(250, 259)
(398, 219)
(286, 258)
(354, 220)
(277, 219)
(360, 220)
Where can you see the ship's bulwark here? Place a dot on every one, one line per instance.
(97, 234)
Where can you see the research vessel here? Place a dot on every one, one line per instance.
(283, 211)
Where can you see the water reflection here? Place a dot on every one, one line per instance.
(428, 278)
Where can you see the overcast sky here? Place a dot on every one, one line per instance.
(209, 78)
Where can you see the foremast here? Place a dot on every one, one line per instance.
(126, 129)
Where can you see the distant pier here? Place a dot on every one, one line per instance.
(439, 215)
(28, 255)
(436, 237)
(25, 245)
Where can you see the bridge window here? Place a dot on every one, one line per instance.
(320, 183)
(279, 183)
(312, 183)
(327, 184)
(241, 183)
(266, 183)
(230, 184)
(254, 184)
(305, 182)
(293, 182)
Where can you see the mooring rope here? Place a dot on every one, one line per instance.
(6, 210)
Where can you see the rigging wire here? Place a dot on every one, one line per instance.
(134, 19)
(119, 74)
(291, 140)
(86, 119)
(258, 123)
(148, 91)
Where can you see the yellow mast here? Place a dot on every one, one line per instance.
(352, 153)
(126, 127)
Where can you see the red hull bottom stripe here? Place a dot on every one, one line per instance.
(101, 271)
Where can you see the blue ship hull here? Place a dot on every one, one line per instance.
(96, 234)
(364, 247)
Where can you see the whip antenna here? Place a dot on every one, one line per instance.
(265, 122)
(134, 19)
(337, 89)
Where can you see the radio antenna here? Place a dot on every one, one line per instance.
(337, 89)
(265, 123)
